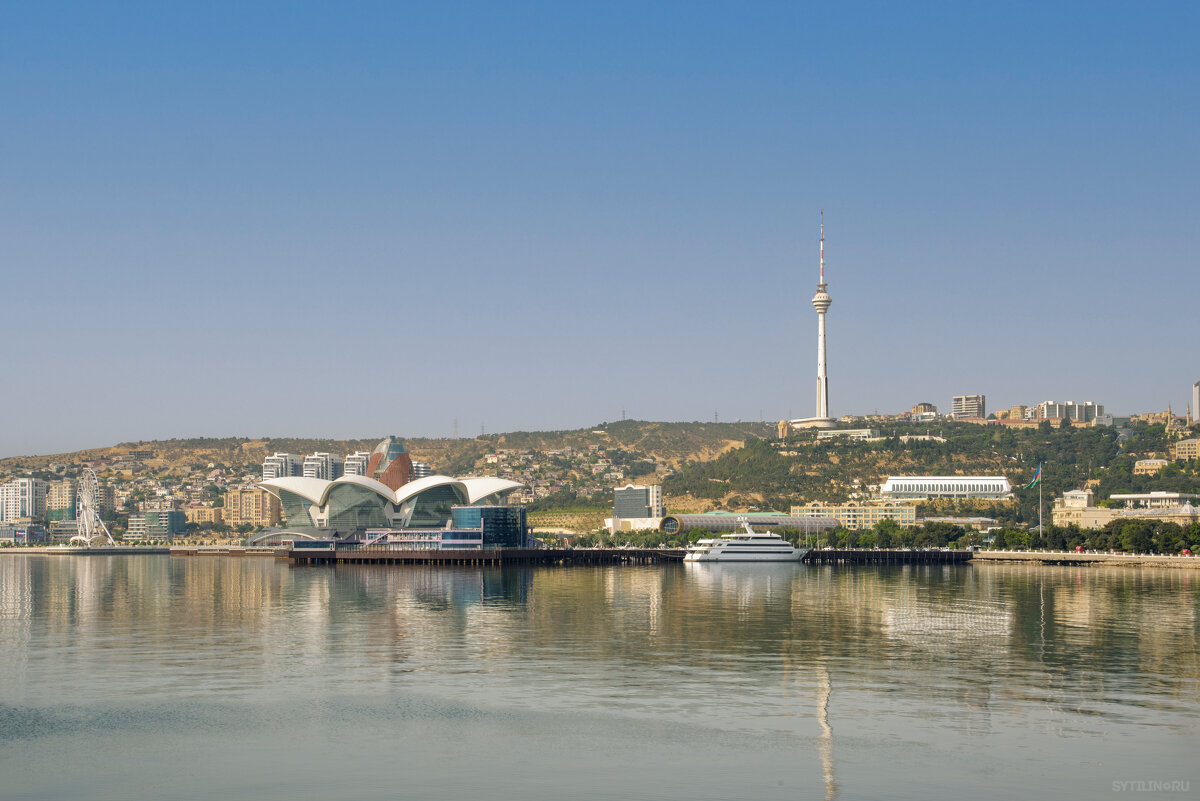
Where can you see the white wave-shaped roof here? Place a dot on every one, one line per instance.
(316, 490)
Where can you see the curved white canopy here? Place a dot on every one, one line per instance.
(316, 490)
(481, 487)
(311, 489)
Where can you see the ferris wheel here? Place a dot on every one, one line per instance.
(87, 511)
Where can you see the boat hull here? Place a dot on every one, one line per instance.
(719, 556)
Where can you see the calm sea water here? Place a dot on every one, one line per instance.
(212, 677)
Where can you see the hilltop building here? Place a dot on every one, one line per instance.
(925, 487)
(968, 406)
(1077, 412)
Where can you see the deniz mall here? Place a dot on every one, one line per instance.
(384, 506)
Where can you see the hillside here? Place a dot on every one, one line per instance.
(776, 474)
(668, 444)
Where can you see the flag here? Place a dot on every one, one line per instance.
(1036, 478)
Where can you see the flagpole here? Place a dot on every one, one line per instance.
(1041, 529)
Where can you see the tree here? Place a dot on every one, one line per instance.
(888, 533)
(1135, 537)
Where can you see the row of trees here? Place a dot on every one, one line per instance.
(1132, 536)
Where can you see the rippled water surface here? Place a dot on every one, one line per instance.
(152, 677)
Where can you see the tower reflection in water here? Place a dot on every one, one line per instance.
(825, 741)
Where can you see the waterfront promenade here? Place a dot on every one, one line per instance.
(1092, 558)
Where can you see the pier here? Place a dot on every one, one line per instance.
(483, 556)
(884, 556)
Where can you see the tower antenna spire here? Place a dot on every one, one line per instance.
(822, 246)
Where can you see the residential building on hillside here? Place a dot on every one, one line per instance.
(251, 506)
(1149, 467)
(968, 406)
(196, 513)
(356, 463)
(281, 465)
(325, 466)
(924, 408)
(857, 515)
(924, 487)
(1185, 449)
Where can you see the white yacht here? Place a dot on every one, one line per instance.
(745, 546)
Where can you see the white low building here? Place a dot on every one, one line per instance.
(924, 487)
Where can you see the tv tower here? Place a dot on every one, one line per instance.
(821, 302)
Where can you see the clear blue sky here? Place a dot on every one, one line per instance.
(353, 219)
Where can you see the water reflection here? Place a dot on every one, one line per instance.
(825, 742)
(957, 656)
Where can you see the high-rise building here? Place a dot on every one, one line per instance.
(419, 470)
(325, 466)
(60, 500)
(1195, 407)
(637, 502)
(968, 406)
(1080, 412)
(23, 498)
(156, 524)
(281, 465)
(253, 506)
(356, 463)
